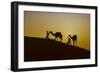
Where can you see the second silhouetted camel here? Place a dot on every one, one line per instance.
(74, 38)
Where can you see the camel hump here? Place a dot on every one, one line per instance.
(58, 32)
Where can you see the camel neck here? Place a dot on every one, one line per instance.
(52, 33)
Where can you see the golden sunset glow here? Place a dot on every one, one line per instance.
(37, 23)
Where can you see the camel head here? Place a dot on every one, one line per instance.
(50, 31)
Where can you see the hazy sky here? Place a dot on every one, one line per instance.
(37, 23)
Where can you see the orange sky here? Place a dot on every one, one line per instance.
(37, 23)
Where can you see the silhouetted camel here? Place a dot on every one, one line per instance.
(74, 38)
(47, 35)
(57, 35)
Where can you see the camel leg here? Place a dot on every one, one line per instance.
(76, 42)
(55, 38)
(73, 42)
(61, 40)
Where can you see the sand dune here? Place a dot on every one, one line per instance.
(40, 49)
